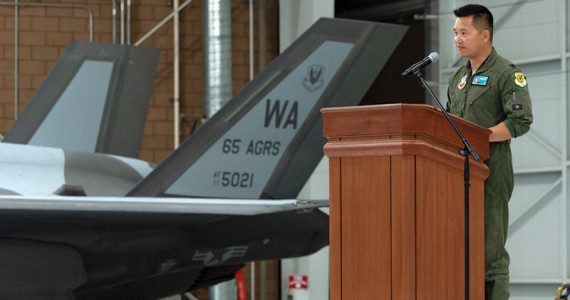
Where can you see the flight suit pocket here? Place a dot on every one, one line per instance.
(514, 106)
(496, 256)
(454, 102)
(454, 107)
(479, 95)
(493, 185)
(493, 237)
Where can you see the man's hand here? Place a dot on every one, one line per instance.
(500, 133)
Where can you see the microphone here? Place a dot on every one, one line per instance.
(431, 58)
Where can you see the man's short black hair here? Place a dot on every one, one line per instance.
(482, 16)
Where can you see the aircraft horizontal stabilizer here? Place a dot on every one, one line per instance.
(228, 207)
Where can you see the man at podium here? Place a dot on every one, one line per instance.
(491, 92)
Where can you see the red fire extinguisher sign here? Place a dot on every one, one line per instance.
(298, 282)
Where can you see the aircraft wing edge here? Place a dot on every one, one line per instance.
(243, 207)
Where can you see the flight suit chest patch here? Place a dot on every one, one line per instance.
(462, 82)
(480, 80)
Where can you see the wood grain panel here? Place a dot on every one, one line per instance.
(403, 228)
(440, 242)
(385, 147)
(417, 119)
(365, 249)
(397, 208)
(335, 228)
(477, 240)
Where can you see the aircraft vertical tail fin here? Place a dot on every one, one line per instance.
(94, 99)
(267, 141)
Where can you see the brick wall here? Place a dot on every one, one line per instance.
(45, 32)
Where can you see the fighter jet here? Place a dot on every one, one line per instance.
(82, 218)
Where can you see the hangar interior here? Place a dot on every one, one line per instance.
(534, 35)
(531, 33)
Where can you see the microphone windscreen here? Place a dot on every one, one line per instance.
(434, 56)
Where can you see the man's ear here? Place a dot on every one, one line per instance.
(487, 35)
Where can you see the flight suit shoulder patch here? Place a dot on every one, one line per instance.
(517, 106)
(520, 79)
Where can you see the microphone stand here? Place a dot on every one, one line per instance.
(466, 175)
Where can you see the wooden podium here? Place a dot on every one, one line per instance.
(397, 210)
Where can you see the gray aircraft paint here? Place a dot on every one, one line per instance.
(35, 170)
(142, 167)
(176, 206)
(209, 175)
(31, 170)
(7, 192)
(101, 175)
(105, 100)
(75, 120)
(373, 44)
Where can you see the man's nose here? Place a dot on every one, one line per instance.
(458, 39)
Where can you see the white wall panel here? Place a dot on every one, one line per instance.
(534, 242)
(447, 50)
(533, 291)
(527, 155)
(527, 28)
(525, 33)
(529, 189)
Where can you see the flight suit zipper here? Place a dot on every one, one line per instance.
(467, 88)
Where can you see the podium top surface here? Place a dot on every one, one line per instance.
(402, 119)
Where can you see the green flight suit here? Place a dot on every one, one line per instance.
(496, 93)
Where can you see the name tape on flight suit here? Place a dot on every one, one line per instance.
(480, 80)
